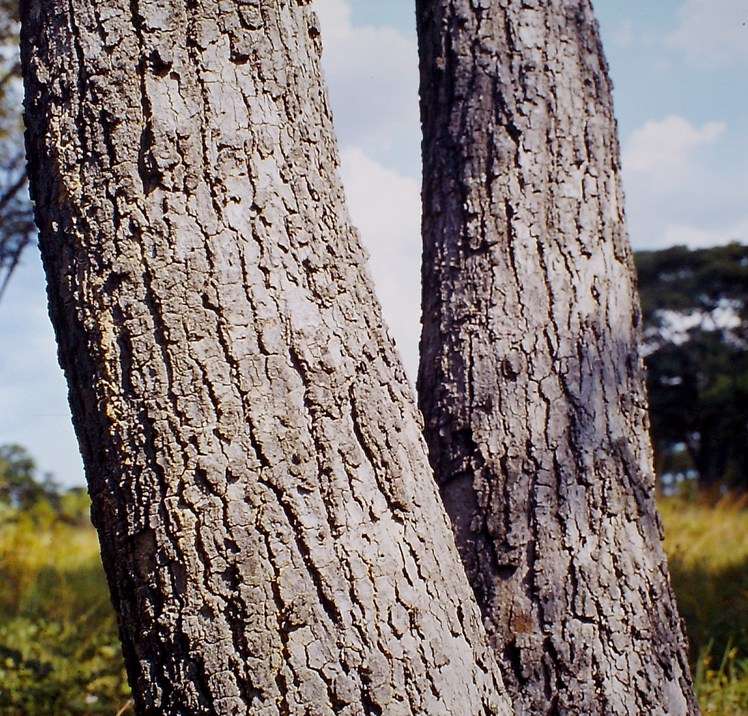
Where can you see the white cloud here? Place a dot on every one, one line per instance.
(712, 32)
(623, 35)
(697, 237)
(386, 208)
(335, 16)
(372, 73)
(664, 149)
(679, 188)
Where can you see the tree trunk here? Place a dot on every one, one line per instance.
(273, 539)
(530, 380)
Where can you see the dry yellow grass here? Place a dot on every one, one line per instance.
(58, 638)
(707, 542)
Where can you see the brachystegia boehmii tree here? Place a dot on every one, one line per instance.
(530, 382)
(272, 535)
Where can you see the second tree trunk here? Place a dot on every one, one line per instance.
(530, 381)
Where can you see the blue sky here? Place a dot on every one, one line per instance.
(679, 70)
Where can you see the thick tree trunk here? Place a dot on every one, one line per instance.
(271, 533)
(530, 379)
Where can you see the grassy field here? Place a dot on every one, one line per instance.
(707, 542)
(59, 652)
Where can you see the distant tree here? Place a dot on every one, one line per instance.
(16, 218)
(695, 307)
(20, 484)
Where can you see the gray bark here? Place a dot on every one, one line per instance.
(530, 379)
(272, 536)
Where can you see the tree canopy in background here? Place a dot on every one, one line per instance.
(20, 486)
(16, 220)
(696, 340)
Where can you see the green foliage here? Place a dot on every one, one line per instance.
(681, 279)
(60, 654)
(722, 687)
(19, 484)
(59, 648)
(707, 545)
(696, 331)
(16, 222)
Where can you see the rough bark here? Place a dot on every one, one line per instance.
(530, 381)
(272, 536)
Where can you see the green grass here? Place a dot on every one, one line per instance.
(707, 543)
(59, 652)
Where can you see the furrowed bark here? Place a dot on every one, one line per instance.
(272, 536)
(530, 380)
